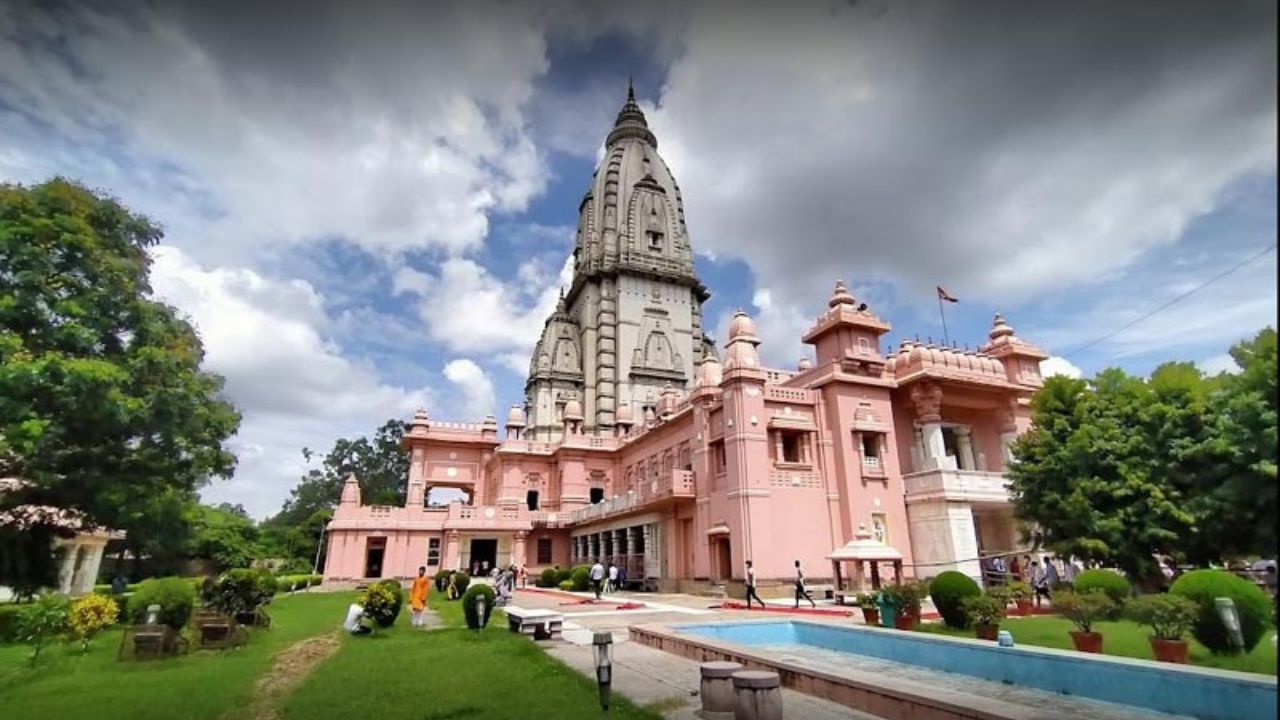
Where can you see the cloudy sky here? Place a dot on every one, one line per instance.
(368, 205)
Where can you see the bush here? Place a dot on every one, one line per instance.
(1112, 583)
(293, 583)
(397, 592)
(983, 609)
(1168, 616)
(549, 578)
(1252, 605)
(1018, 591)
(442, 579)
(1083, 609)
(381, 604)
(566, 574)
(581, 579)
(949, 591)
(41, 621)
(175, 596)
(474, 621)
(9, 622)
(241, 592)
(461, 580)
(566, 585)
(89, 615)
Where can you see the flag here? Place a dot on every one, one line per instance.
(944, 295)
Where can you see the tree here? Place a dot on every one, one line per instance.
(224, 534)
(1119, 469)
(103, 403)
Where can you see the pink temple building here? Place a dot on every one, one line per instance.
(637, 445)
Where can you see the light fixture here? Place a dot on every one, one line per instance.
(480, 608)
(1230, 619)
(602, 644)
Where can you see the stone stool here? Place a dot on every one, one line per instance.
(757, 695)
(717, 690)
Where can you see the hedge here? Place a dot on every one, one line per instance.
(474, 621)
(298, 582)
(581, 578)
(1252, 605)
(549, 578)
(949, 590)
(1112, 583)
(9, 621)
(175, 596)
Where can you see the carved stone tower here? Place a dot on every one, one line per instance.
(631, 321)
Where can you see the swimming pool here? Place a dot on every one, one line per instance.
(1201, 693)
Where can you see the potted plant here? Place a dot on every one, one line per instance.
(891, 602)
(870, 611)
(1084, 610)
(915, 593)
(984, 612)
(1170, 617)
(907, 598)
(1021, 594)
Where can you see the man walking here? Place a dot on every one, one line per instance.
(613, 578)
(801, 591)
(751, 587)
(418, 599)
(597, 578)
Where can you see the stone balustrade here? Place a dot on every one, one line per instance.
(678, 484)
(956, 485)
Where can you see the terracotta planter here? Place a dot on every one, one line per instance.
(1170, 651)
(871, 615)
(1090, 642)
(986, 632)
(904, 622)
(1024, 606)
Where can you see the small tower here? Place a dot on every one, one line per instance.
(515, 422)
(350, 491)
(572, 418)
(1021, 359)
(849, 334)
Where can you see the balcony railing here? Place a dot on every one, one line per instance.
(956, 485)
(678, 484)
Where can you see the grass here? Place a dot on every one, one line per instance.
(1122, 638)
(448, 673)
(202, 684)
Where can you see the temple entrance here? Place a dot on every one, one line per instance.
(484, 553)
(375, 550)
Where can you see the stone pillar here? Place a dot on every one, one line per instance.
(917, 449)
(927, 398)
(651, 568)
(452, 551)
(66, 572)
(716, 689)
(757, 695)
(1006, 439)
(518, 553)
(935, 449)
(964, 447)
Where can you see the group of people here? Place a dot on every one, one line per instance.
(1042, 575)
(801, 590)
(607, 580)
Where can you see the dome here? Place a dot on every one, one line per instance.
(420, 418)
(709, 372)
(741, 327)
(999, 328)
(625, 416)
(841, 296)
(573, 410)
(515, 416)
(804, 364)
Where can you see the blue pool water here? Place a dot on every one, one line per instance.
(1171, 689)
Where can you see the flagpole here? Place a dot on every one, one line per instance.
(942, 313)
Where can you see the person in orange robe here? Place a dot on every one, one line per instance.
(418, 598)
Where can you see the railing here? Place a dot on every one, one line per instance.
(960, 485)
(871, 463)
(677, 484)
(777, 393)
(488, 517)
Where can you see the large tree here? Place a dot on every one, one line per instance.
(1120, 468)
(103, 402)
(225, 534)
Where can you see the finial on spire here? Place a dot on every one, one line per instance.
(631, 90)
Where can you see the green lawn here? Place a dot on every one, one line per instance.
(448, 673)
(398, 673)
(1122, 638)
(204, 684)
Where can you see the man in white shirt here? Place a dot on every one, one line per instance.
(613, 578)
(751, 586)
(352, 624)
(801, 590)
(597, 578)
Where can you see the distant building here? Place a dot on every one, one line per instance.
(642, 448)
(80, 545)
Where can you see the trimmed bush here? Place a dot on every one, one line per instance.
(175, 596)
(983, 609)
(89, 615)
(564, 574)
(565, 585)
(381, 604)
(1252, 605)
(549, 578)
(241, 591)
(293, 583)
(461, 580)
(442, 580)
(474, 621)
(1083, 609)
(1168, 616)
(1112, 583)
(397, 591)
(581, 579)
(949, 590)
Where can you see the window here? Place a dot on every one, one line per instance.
(531, 498)
(880, 528)
(433, 552)
(544, 551)
(655, 240)
(719, 462)
(597, 495)
(790, 444)
(870, 450)
(864, 346)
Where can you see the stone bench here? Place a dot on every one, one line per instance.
(538, 624)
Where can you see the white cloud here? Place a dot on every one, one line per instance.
(474, 384)
(1055, 365)
(1217, 364)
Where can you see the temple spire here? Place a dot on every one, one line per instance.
(631, 122)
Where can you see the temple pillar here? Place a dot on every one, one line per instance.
(519, 558)
(964, 447)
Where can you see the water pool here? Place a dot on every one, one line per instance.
(1201, 693)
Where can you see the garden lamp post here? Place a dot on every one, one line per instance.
(1230, 620)
(602, 644)
(480, 611)
(153, 614)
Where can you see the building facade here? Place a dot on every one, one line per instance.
(637, 445)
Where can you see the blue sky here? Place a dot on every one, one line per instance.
(368, 208)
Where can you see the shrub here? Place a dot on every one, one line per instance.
(174, 595)
(474, 621)
(9, 622)
(461, 580)
(442, 579)
(565, 574)
(866, 601)
(581, 578)
(949, 591)
(549, 578)
(1112, 583)
(397, 590)
(1083, 609)
(566, 585)
(1168, 616)
(1252, 605)
(240, 591)
(41, 621)
(89, 615)
(983, 609)
(381, 604)
(912, 594)
(1018, 591)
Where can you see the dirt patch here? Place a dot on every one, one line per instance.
(288, 669)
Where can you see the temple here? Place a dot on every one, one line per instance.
(638, 445)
